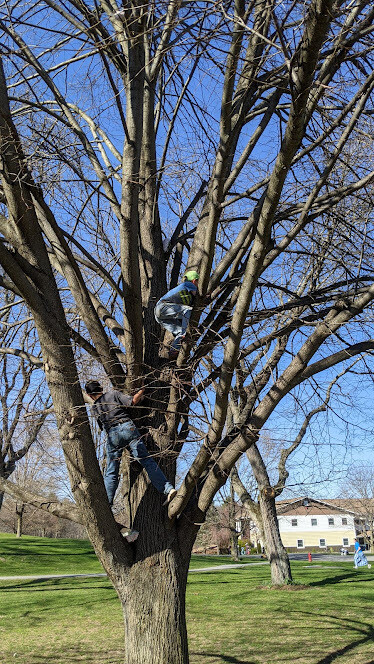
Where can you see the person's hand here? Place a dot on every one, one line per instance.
(138, 397)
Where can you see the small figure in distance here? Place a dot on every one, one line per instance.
(110, 409)
(173, 310)
(360, 559)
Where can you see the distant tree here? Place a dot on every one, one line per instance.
(360, 487)
(38, 472)
(24, 404)
(268, 462)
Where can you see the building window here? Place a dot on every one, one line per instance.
(322, 543)
(293, 522)
(314, 522)
(331, 521)
(300, 544)
(345, 541)
(344, 521)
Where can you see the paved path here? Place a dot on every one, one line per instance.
(215, 568)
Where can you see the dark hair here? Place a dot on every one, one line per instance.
(93, 387)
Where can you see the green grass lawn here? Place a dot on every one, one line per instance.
(42, 555)
(234, 617)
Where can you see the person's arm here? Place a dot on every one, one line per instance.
(138, 397)
(95, 413)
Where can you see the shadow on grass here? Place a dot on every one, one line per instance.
(72, 655)
(44, 600)
(364, 631)
(226, 659)
(49, 585)
(347, 577)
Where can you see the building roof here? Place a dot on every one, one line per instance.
(305, 505)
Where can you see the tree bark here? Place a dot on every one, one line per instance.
(234, 545)
(276, 553)
(153, 602)
(371, 533)
(234, 535)
(20, 508)
(264, 514)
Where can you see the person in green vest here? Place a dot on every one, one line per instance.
(173, 310)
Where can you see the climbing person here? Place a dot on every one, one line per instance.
(173, 310)
(360, 559)
(111, 411)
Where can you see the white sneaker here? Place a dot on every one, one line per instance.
(172, 493)
(129, 534)
(369, 566)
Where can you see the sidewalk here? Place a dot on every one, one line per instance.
(40, 577)
(214, 568)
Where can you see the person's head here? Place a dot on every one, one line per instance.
(191, 275)
(93, 388)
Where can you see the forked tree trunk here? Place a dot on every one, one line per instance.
(153, 602)
(276, 553)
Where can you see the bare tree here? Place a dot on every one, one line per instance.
(229, 128)
(269, 466)
(23, 401)
(36, 472)
(359, 490)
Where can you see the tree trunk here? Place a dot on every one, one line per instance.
(234, 535)
(20, 508)
(234, 545)
(153, 601)
(371, 542)
(276, 553)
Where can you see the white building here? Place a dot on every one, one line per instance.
(307, 524)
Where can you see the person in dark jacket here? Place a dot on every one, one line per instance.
(111, 410)
(173, 310)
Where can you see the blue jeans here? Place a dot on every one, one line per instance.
(174, 318)
(126, 435)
